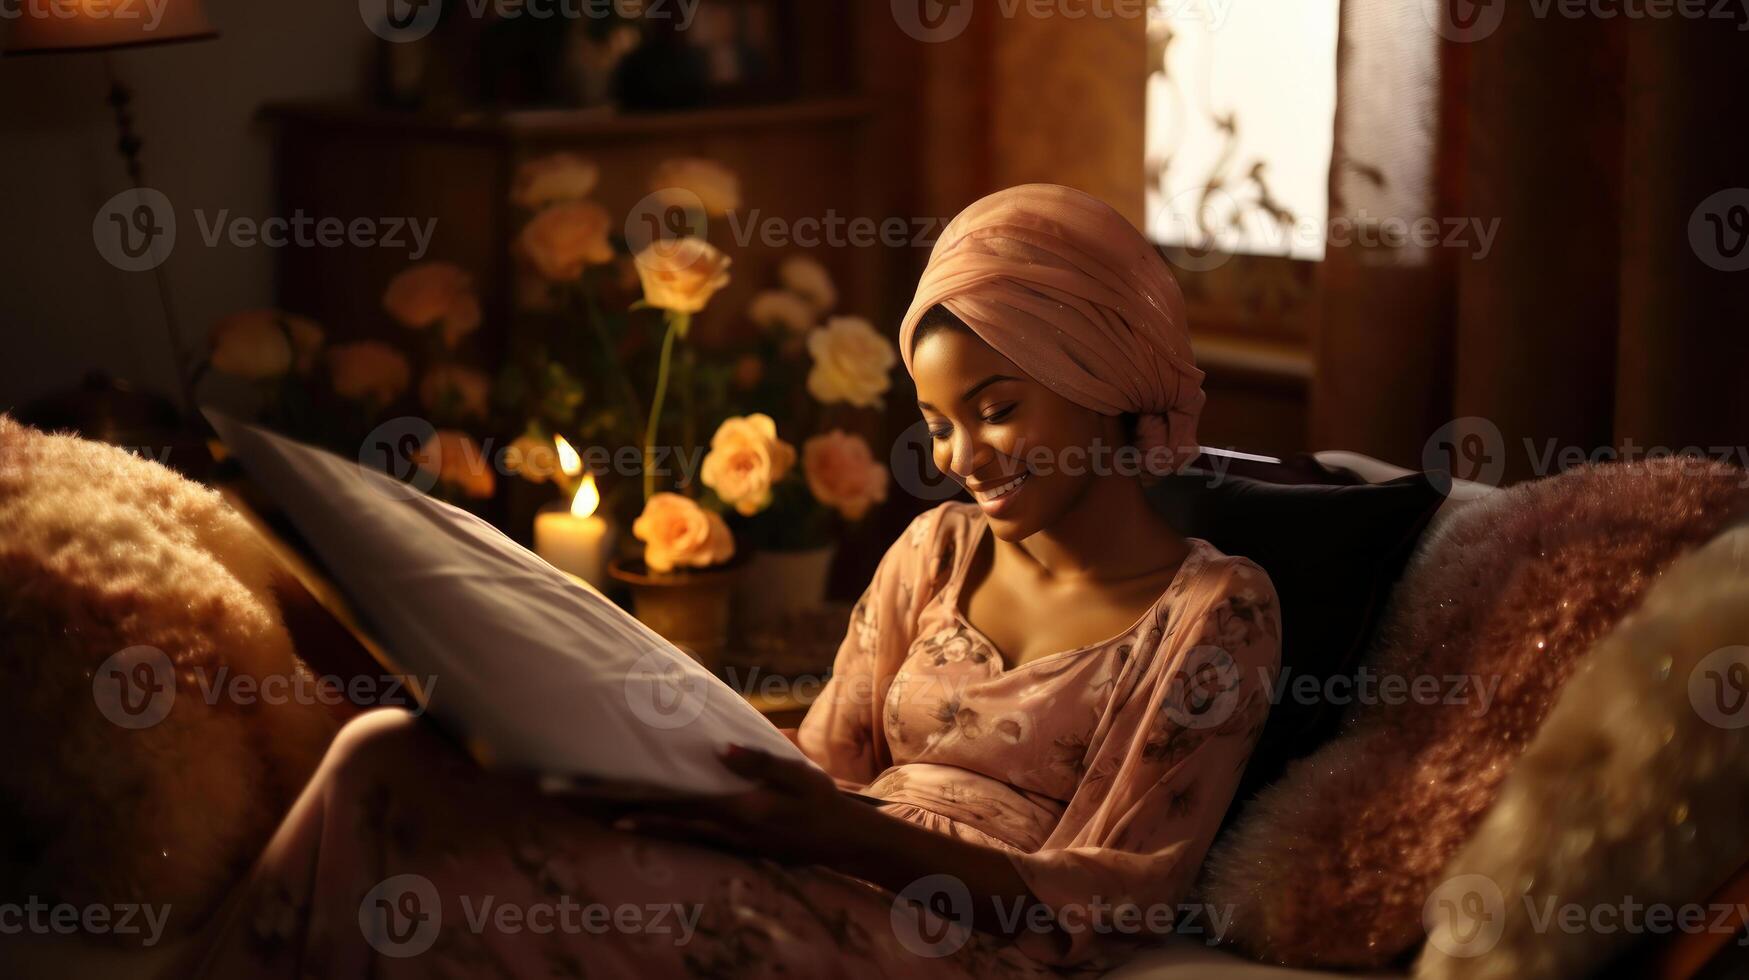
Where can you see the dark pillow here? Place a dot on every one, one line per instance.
(1333, 554)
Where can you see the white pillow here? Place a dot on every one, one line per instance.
(530, 669)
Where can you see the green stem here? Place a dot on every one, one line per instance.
(675, 325)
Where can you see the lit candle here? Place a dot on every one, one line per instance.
(577, 540)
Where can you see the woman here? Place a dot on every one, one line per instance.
(1048, 695)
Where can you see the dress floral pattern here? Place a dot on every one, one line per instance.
(1102, 771)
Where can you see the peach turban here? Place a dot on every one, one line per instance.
(1065, 287)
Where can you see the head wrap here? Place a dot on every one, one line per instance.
(1059, 283)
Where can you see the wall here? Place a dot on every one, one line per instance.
(63, 309)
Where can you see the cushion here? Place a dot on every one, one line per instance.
(1333, 864)
(1636, 785)
(1333, 553)
(529, 668)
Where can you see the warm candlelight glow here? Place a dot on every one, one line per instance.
(587, 499)
(570, 463)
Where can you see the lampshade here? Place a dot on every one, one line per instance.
(46, 26)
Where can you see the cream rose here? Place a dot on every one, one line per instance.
(368, 370)
(458, 462)
(553, 178)
(460, 390)
(775, 308)
(435, 293)
(852, 362)
(804, 276)
(677, 531)
(532, 458)
(715, 185)
(682, 274)
(843, 474)
(745, 459)
(561, 240)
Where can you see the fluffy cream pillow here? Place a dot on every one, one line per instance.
(1634, 790)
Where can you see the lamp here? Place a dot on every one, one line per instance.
(72, 26)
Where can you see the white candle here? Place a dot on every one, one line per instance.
(576, 541)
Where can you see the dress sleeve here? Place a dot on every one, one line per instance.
(1160, 778)
(843, 730)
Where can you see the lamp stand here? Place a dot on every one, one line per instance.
(128, 145)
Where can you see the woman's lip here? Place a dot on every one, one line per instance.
(995, 507)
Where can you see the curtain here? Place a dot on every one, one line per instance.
(1575, 295)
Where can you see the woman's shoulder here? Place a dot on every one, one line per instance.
(1235, 596)
(946, 525)
(1227, 574)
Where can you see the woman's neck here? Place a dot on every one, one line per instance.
(1110, 533)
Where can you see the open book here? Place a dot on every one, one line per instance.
(528, 668)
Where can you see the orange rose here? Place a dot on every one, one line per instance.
(532, 458)
(368, 370)
(563, 239)
(677, 531)
(459, 390)
(681, 275)
(843, 474)
(458, 462)
(550, 179)
(435, 293)
(746, 458)
(714, 185)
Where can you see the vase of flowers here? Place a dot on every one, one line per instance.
(682, 584)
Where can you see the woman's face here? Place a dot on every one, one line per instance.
(1026, 453)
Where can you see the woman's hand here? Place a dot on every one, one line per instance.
(794, 813)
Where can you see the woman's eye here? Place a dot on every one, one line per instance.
(999, 414)
(939, 433)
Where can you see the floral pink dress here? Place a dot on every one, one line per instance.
(1104, 771)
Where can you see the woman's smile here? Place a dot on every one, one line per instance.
(995, 498)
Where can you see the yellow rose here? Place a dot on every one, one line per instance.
(532, 458)
(682, 274)
(461, 390)
(553, 178)
(458, 462)
(852, 362)
(368, 370)
(746, 458)
(677, 531)
(780, 309)
(709, 181)
(563, 239)
(435, 293)
(842, 473)
(804, 276)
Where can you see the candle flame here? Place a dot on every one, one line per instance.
(570, 463)
(587, 499)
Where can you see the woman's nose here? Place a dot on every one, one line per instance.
(966, 454)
